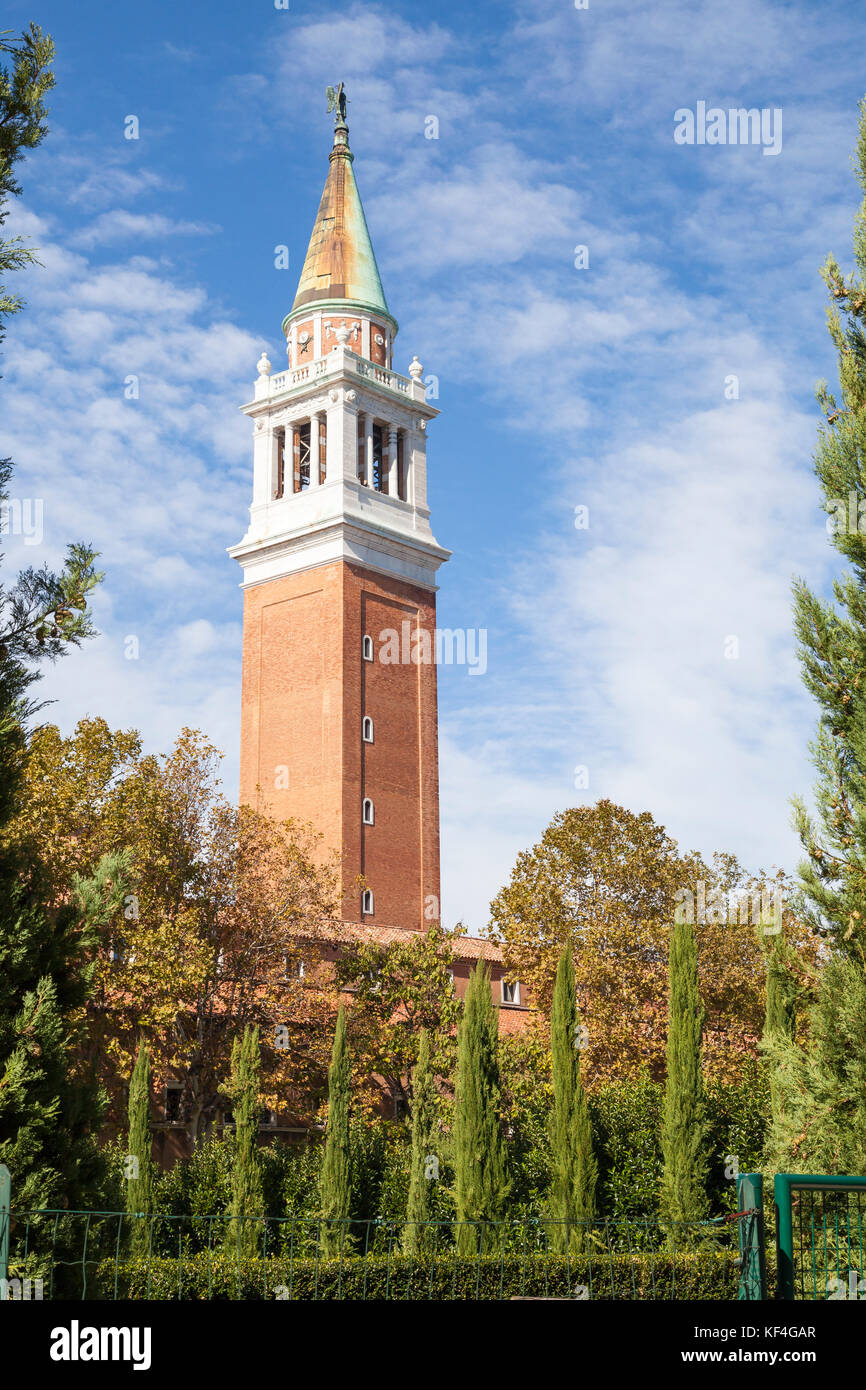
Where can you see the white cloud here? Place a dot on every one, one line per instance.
(130, 227)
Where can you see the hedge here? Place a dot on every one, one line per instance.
(644, 1275)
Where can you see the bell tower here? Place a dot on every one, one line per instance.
(339, 717)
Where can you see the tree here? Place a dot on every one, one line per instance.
(24, 86)
(683, 1135)
(609, 882)
(424, 1159)
(480, 1161)
(401, 989)
(50, 1108)
(138, 1169)
(335, 1183)
(575, 1170)
(247, 1203)
(832, 635)
(224, 905)
(819, 1090)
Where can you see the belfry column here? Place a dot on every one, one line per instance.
(392, 461)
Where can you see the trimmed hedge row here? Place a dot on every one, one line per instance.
(645, 1275)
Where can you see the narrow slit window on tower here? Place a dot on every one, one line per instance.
(280, 480)
(367, 902)
(367, 729)
(368, 811)
(368, 648)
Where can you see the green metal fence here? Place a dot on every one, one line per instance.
(750, 1227)
(820, 1236)
(111, 1255)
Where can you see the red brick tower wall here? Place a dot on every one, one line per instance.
(306, 689)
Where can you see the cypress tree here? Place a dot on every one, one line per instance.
(139, 1165)
(819, 1091)
(481, 1177)
(780, 1013)
(684, 1125)
(424, 1161)
(51, 1107)
(780, 1016)
(832, 635)
(247, 1204)
(575, 1171)
(335, 1179)
(820, 1119)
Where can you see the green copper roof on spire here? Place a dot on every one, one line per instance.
(340, 263)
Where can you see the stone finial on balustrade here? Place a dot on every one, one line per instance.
(415, 369)
(263, 381)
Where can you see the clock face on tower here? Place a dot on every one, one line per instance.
(304, 341)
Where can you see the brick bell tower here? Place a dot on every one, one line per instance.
(339, 719)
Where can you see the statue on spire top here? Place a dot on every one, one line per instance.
(337, 102)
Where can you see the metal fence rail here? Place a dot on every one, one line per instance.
(113, 1255)
(820, 1230)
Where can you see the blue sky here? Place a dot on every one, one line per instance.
(559, 387)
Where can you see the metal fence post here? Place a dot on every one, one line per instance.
(5, 1208)
(753, 1264)
(784, 1235)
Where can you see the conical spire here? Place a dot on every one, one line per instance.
(340, 263)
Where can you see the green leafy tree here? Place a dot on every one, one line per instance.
(138, 1163)
(244, 1090)
(335, 1183)
(683, 1187)
(480, 1162)
(575, 1171)
(50, 1108)
(25, 80)
(425, 1159)
(400, 989)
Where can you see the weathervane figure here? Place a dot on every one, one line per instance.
(337, 102)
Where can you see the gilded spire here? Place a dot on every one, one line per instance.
(340, 264)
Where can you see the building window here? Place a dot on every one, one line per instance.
(368, 811)
(367, 729)
(368, 648)
(511, 992)
(301, 457)
(380, 470)
(173, 1092)
(293, 969)
(367, 902)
